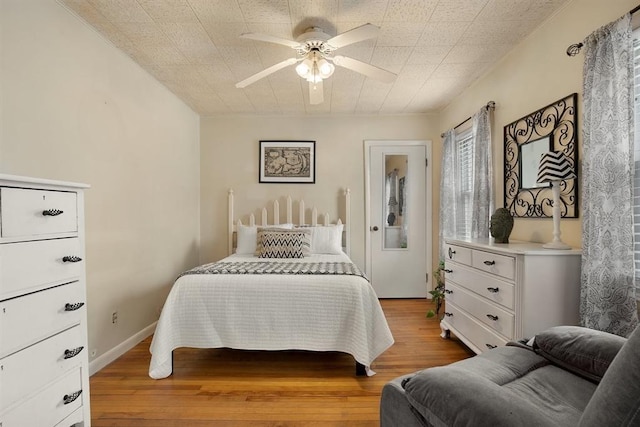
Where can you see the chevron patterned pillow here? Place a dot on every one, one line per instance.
(283, 243)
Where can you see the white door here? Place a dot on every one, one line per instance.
(398, 218)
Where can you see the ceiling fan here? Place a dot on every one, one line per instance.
(315, 59)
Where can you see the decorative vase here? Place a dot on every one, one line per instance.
(391, 219)
(501, 225)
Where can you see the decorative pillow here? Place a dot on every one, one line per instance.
(247, 237)
(278, 243)
(327, 239)
(585, 352)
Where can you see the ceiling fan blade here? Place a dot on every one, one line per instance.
(264, 73)
(316, 93)
(269, 39)
(363, 32)
(364, 68)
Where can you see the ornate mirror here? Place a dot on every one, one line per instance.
(552, 128)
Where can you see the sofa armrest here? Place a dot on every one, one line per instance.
(583, 351)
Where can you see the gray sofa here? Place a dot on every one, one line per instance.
(570, 376)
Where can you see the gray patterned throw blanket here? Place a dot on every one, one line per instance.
(262, 267)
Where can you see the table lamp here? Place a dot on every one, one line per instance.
(554, 168)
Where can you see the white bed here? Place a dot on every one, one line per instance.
(316, 312)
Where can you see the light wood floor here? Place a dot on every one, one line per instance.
(224, 387)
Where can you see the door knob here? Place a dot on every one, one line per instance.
(374, 228)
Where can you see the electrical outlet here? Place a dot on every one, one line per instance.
(114, 317)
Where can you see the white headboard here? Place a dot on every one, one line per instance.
(233, 223)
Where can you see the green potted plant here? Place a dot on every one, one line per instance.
(437, 293)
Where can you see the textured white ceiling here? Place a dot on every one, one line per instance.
(437, 48)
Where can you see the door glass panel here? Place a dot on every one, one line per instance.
(395, 201)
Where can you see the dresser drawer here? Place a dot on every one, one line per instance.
(490, 314)
(487, 286)
(29, 266)
(500, 265)
(470, 329)
(27, 212)
(50, 406)
(76, 419)
(26, 371)
(458, 254)
(39, 315)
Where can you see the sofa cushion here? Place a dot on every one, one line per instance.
(616, 401)
(585, 352)
(507, 386)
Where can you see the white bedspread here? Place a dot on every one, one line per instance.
(271, 312)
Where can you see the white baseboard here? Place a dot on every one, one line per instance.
(103, 360)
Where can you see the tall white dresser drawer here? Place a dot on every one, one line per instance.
(39, 315)
(29, 212)
(470, 330)
(76, 419)
(490, 314)
(25, 371)
(487, 286)
(48, 407)
(29, 266)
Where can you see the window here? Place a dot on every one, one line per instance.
(636, 178)
(464, 182)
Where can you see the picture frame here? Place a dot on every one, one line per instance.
(287, 162)
(552, 128)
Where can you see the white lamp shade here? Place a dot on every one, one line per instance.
(555, 166)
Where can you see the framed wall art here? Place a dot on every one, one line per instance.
(552, 128)
(292, 162)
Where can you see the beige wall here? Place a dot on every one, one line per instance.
(535, 74)
(74, 108)
(229, 159)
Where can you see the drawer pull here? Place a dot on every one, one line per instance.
(448, 291)
(490, 346)
(71, 258)
(493, 290)
(446, 270)
(73, 307)
(69, 398)
(492, 317)
(446, 313)
(68, 354)
(52, 212)
(489, 263)
(451, 253)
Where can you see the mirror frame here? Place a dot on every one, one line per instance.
(558, 122)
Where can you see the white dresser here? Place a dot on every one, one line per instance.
(495, 293)
(44, 365)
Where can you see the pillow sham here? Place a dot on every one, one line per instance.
(247, 237)
(327, 239)
(278, 243)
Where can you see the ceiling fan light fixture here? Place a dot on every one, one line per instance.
(325, 68)
(304, 68)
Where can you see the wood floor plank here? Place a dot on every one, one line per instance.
(225, 387)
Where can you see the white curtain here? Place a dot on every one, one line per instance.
(482, 200)
(608, 300)
(448, 186)
(469, 215)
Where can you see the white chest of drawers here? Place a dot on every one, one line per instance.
(44, 364)
(495, 293)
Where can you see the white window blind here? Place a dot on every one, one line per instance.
(636, 179)
(464, 157)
